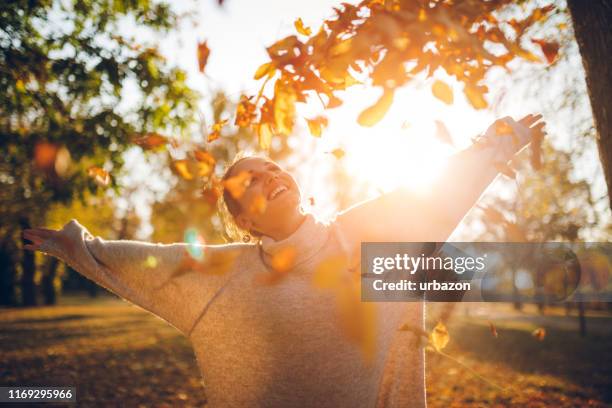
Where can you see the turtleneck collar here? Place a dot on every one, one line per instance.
(305, 242)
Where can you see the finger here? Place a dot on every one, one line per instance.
(530, 119)
(538, 127)
(32, 237)
(31, 247)
(44, 233)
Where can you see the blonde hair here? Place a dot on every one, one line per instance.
(232, 231)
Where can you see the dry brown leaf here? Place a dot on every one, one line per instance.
(443, 92)
(316, 125)
(539, 333)
(203, 54)
(215, 131)
(372, 115)
(151, 141)
(299, 26)
(439, 336)
(550, 49)
(238, 184)
(182, 168)
(100, 176)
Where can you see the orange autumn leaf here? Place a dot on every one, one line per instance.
(439, 336)
(100, 176)
(539, 333)
(316, 125)
(264, 134)
(258, 205)
(211, 196)
(44, 155)
(328, 274)
(182, 168)
(299, 26)
(284, 260)
(215, 131)
(338, 153)
(493, 330)
(475, 97)
(284, 108)
(238, 184)
(245, 112)
(203, 54)
(268, 69)
(443, 92)
(503, 128)
(372, 115)
(550, 49)
(151, 141)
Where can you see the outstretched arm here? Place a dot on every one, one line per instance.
(432, 217)
(163, 279)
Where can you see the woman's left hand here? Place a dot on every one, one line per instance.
(522, 132)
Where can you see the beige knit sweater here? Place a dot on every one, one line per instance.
(283, 344)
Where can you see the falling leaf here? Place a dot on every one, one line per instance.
(203, 53)
(265, 69)
(442, 133)
(372, 115)
(284, 260)
(215, 131)
(539, 333)
(245, 111)
(258, 205)
(475, 97)
(338, 153)
(182, 167)
(311, 201)
(264, 133)
(549, 48)
(328, 273)
(151, 141)
(44, 155)
(238, 184)
(503, 128)
(439, 337)
(316, 125)
(211, 196)
(443, 92)
(493, 329)
(299, 26)
(100, 176)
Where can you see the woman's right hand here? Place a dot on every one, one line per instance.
(45, 240)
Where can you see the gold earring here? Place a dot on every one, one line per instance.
(246, 238)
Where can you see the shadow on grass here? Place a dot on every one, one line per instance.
(586, 361)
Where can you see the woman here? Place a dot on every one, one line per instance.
(292, 344)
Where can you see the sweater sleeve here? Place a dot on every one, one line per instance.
(405, 216)
(161, 278)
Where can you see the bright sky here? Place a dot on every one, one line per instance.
(397, 151)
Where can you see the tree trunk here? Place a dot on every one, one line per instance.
(592, 21)
(28, 270)
(7, 275)
(48, 280)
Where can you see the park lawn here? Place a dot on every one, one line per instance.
(117, 354)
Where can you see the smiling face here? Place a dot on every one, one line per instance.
(269, 200)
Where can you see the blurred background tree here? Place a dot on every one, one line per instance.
(76, 94)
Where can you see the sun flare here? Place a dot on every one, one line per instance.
(403, 158)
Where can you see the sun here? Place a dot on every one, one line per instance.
(409, 158)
